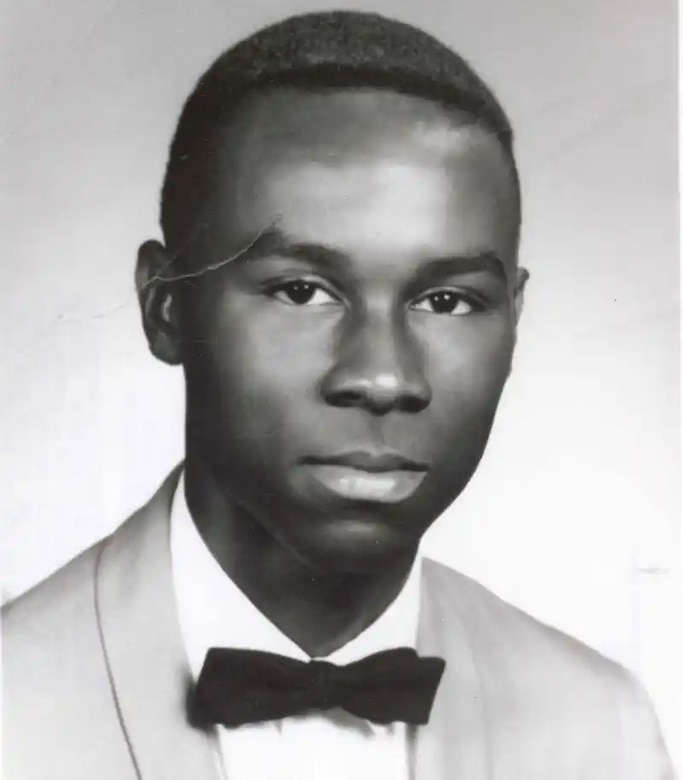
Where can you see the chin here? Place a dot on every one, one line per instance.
(354, 546)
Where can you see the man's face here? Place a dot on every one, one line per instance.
(343, 371)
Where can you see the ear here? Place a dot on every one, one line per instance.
(522, 277)
(158, 302)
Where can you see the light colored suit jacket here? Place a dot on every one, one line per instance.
(96, 681)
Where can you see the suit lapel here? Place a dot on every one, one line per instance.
(141, 638)
(453, 743)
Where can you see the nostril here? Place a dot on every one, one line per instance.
(347, 398)
(378, 400)
(413, 404)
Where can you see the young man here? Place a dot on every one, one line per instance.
(339, 281)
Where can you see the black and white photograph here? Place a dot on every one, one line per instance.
(340, 390)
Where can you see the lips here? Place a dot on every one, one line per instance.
(384, 477)
(374, 462)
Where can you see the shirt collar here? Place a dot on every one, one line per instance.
(213, 611)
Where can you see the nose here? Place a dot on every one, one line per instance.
(377, 368)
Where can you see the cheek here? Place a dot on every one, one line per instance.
(277, 350)
(468, 364)
(264, 361)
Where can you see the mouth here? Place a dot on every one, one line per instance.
(385, 478)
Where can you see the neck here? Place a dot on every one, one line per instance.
(318, 611)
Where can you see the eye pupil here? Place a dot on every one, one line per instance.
(300, 292)
(443, 302)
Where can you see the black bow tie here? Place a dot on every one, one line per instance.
(248, 686)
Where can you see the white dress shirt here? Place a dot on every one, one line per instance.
(326, 745)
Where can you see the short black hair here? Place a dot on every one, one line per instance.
(314, 50)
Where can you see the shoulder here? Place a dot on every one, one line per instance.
(539, 681)
(67, 599)
(49, 628)
(54, 677)
(55, 603)
(57, 673)
(500, 629)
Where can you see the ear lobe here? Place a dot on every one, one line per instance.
(522, 277)
(157, 305)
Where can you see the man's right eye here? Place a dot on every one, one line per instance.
(302, 293)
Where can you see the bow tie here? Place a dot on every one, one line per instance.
(248, 686)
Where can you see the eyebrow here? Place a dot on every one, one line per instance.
(476, 262)
(275, 241)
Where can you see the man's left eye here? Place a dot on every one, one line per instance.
(302, 293)
(445, 302)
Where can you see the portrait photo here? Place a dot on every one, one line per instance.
(340, 390)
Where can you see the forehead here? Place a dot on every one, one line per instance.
(364, 166)
(338, 121)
